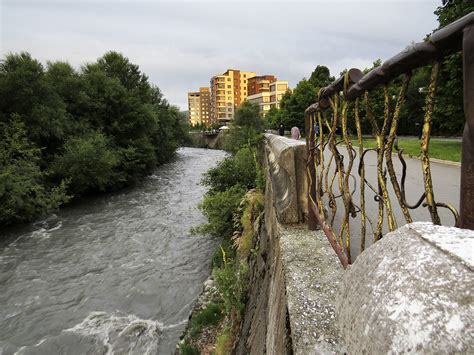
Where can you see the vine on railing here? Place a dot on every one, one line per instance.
(339, 183)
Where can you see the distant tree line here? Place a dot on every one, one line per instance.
(65, 133)
(448, 117)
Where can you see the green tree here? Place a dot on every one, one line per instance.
(273, 118)
(89, 163)
(100, 128)
(448, 116)
(23, 192)
(25, 91)
(246, 129)
(320, 77)
(293, 104)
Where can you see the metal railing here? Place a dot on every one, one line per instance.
(349, 97)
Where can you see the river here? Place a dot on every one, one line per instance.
(111, 274)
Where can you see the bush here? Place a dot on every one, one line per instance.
(229, 280)
(187, 349)
(232, 171)
(211, 315)
(219, 209)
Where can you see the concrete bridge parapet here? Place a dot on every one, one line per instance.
(411, 292)
(286, 161)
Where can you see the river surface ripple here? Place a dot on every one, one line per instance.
(117, 273)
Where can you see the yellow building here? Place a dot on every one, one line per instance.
(199, 107)
(228, 91)
(271, 98)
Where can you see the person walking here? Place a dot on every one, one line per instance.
(281, 130)
(295, 133)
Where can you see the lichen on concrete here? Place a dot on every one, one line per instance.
(411, 292)
(312, 276)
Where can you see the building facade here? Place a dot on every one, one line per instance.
(199, 107)
(266, 99)
(228, 91)
(259, 84)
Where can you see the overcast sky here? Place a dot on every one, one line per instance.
(181, 44)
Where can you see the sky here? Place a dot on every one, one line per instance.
(180, 45)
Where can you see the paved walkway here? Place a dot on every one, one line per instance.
(446, 183)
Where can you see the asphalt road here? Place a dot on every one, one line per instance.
(446, 183)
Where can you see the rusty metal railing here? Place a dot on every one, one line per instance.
(334, 182)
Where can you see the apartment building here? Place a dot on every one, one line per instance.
(199, 107)
(228, 91)
(259, 84)
(268, 96)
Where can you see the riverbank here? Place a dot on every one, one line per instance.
(216, 322)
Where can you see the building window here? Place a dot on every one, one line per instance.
(229, 86)
(282, 87)
(228, 79)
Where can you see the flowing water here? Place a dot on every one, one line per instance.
(111, 274)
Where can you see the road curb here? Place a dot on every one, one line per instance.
(446, 162)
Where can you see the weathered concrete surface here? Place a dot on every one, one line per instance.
(293, 273)
(411, 292)
(285, 160)
(312, 275)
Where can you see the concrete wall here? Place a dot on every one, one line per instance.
(200, 140)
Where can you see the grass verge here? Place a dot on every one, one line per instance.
(439, 148)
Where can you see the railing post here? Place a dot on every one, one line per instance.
(309, 129)
(467, 167)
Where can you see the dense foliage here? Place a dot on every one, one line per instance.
(246, 129)
(294, 103)
(66, 133)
